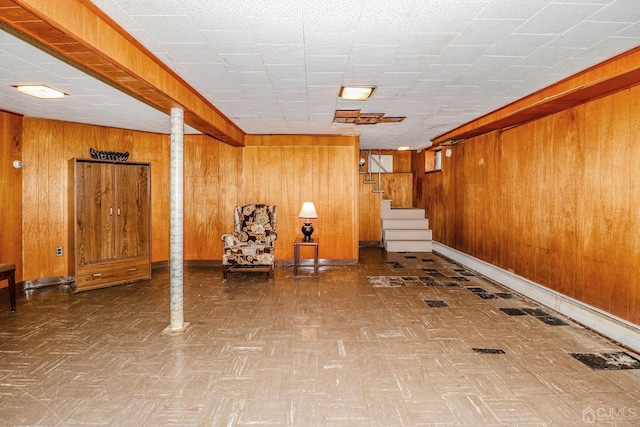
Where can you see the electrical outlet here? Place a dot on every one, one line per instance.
(59, 251)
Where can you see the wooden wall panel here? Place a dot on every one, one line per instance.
(287, 170)
(634, 208)
(397, 187)
(567, 207)
(212, 188)
(11, 193)
(567, 196)
(369, 218)
(47, 147)
(606, 197)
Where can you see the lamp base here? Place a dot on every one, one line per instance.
(307, 230)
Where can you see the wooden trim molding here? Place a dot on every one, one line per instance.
(79, 33)
(610, 76)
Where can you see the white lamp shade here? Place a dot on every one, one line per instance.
(308, 211)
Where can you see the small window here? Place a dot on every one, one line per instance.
(433, 160)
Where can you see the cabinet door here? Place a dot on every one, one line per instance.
(94, 199)
(132, 201)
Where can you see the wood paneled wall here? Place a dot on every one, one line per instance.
(47, 147)
(369, 218)
(556, 200)
(284, 170)
(10, 192)
(212, 188)
(397, 186)
(287, 170)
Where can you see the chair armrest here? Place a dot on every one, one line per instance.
(230, 239)
(271, 237)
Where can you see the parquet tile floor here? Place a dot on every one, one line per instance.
(328, 351)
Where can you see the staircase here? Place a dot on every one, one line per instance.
(405, 229)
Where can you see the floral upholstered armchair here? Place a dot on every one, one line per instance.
(251, 244)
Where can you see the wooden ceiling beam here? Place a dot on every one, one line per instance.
(79, 33)
(610, 76)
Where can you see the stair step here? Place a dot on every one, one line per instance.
(405, 223)
(397, 234)
(408, 246)
(403, 213)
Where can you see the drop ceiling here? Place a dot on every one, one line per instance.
(277, 66)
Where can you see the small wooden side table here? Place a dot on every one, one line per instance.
(296, 254)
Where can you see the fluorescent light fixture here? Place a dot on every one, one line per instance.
(404, 148)
(356, 93)
(40, 91)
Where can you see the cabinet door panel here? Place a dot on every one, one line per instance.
(94, 212)
(132, 201)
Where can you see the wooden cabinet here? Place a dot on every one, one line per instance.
(110, 228)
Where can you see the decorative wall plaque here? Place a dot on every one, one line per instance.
(109, 155)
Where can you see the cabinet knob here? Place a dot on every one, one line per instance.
(132, 269)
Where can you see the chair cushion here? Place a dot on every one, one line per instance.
(248, 254)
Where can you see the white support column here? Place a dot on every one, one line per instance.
(176, 227)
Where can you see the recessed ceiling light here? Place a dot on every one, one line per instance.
(404, 148)
(356, 93)
(40, 91)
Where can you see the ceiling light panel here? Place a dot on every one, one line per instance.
(40, 91)
(361, 93)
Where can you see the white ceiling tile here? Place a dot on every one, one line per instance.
(285, 71)
(447, 16)
(328, 44)
(519, 45)
(550, 56)
(238, 41)
(587, 34)
(282, 54)
(332, 16)
(288, 30)
(618, 11)
(251, 78)
(372, 55)
(557, 18)
(329, 64)
(630, 31)
(170, 29)
(459, 55)
(486, 32)
(609, 48)
(277, 66)
(242, 62)
(508, 9)
(332, 79)
(271, 8)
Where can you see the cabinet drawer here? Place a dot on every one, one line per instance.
(99, 275)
